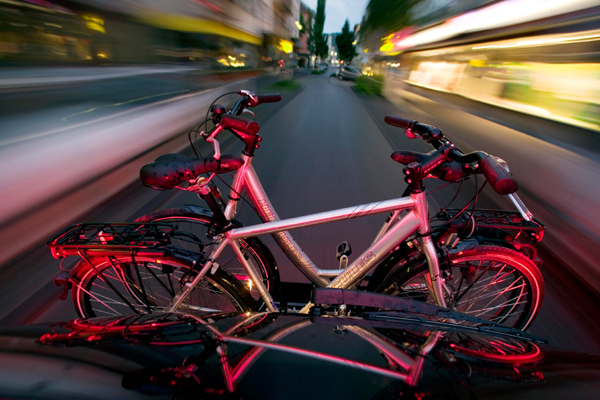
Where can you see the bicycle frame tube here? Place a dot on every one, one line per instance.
(392, 233)
(279, 229)
(284, 240)
(180, 298)
(253, 274)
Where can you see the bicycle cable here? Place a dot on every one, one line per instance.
(441, 187)
(471, 215)
(467, 205)
(196, 131)
(455, 195)
(236, 192)
(215, 100)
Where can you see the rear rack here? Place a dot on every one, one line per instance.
(496, 219)
(118, 237)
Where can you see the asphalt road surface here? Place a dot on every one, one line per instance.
(324, 147)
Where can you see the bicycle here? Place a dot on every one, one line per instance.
(492, 276)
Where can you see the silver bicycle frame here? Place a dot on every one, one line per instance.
(392, 233)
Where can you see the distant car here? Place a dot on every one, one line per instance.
(349, 73)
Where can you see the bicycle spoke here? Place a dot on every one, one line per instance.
(484, 310)
(100, 301)
(511, 287)
(159, 280)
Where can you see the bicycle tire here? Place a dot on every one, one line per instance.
(474, 346)
(490, 348)
(197, 221)
(151, 288)
(489, 273)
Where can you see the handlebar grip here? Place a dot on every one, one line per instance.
(399, 122)
(241, 124)
(499, 179)
(268, 98)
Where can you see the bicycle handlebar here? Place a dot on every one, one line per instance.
(240, 124)
(500, 180)
(268, 98)
(497, 176)
(254, 99)
(398, 121)
(245, 129)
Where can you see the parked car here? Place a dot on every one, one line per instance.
(383, 355)
(349, 73)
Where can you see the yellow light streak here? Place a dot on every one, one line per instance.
(94, 23)
(286, 46)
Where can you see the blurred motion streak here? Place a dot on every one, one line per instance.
(520, 74)
(497, 15)
(87, 87)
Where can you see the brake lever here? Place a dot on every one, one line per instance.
(251, 96)
(409, 133)
(245, 110)
(212, 139)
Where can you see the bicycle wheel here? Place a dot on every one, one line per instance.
(148, 285)
(192, 234)
(489, 282)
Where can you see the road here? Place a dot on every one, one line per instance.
(324, 147)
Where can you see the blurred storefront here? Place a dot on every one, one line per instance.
(213, 33)
(546, 63)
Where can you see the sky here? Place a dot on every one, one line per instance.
(337, 11)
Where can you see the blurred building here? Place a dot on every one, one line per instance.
(305, 59)
(235, 33)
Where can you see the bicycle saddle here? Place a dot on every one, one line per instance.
(169, 170)
(448, 171)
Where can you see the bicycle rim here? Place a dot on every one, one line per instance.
(491, 283)
(146, 286)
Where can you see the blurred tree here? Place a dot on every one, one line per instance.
(321, 48)
(344, 42)
(305, 28)
(387, 16)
